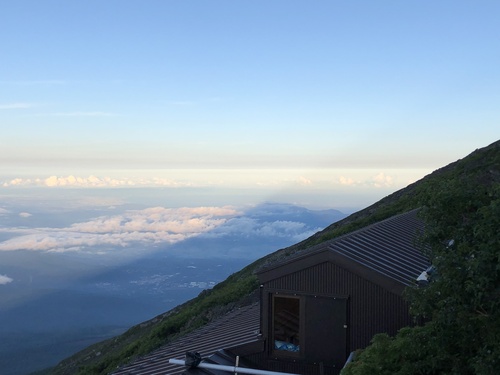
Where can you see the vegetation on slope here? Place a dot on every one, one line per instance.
(104, 357)
(461, 302)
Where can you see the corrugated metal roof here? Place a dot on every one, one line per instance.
(387, 249)
(237, 327)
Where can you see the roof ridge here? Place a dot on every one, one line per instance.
(321, 247)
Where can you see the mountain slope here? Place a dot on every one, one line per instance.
(480, 167)
(458, 303)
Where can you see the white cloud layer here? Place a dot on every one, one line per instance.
(382, 180)
(149, 226)
(4, 279)
(250, 227)
(138, 229)
(91, 181)
(226, 178)
(379, 180)
(348, 181)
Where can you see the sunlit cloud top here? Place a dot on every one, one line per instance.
(155, 226)
(370, 178)
(90, 182)
(148, 226)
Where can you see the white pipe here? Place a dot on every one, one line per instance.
(349, 359)
(233, 369)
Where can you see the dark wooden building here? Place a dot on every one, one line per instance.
(321, 305)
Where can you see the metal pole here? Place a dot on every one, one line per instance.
(233, 369)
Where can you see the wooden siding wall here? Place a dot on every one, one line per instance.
(371, 309)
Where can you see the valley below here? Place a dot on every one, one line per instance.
(55, 323)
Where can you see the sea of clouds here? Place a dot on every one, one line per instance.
(149, 226)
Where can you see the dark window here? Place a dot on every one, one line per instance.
(286, 324)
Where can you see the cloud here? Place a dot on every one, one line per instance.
(92, 182)
(62, 241)
(4, 211)
(78, 181)
(4, 279)
(25, 214)
(80, 114)
(16, 182)
(251, 227)
(346, 181)
(16, 105)
(153, 226)
(149, 226)
(382, 180)
(304, 181)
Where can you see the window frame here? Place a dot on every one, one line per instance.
(301, 326)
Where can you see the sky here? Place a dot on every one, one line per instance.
(324, 103)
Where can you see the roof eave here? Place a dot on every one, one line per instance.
(323, 255)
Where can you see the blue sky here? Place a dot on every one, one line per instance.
(333, 103)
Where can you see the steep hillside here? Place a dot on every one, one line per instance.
(480, 167)
(458, 304)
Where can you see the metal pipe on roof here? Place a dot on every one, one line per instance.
(233, 369)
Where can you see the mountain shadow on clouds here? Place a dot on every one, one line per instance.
(257, 232)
